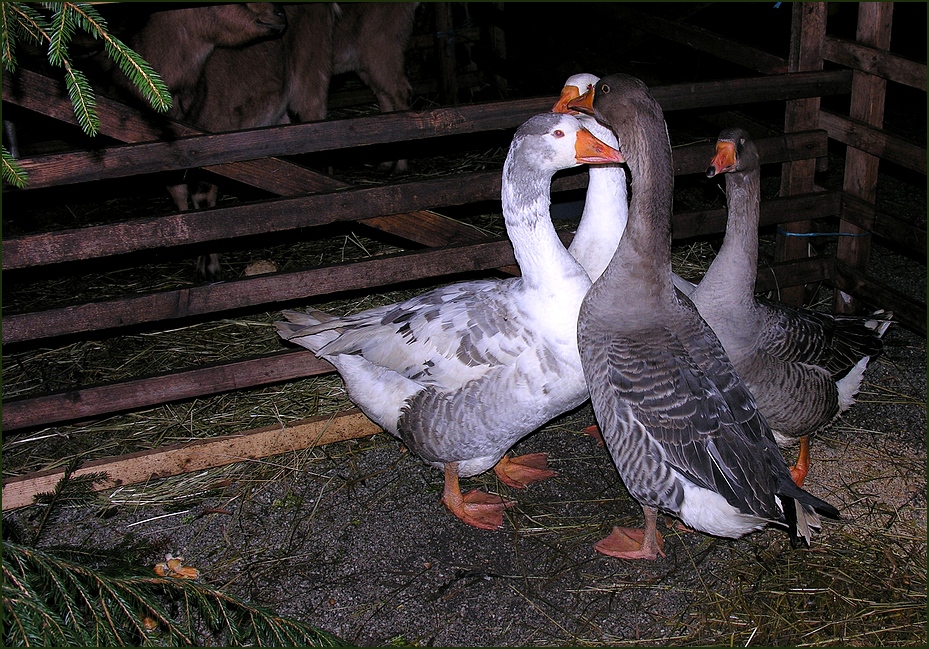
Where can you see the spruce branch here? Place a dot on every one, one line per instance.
(12, 172)
(134, 66)
(22, 21)
(82, 598)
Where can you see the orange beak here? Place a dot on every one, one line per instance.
(590, 150)
(724, 160)
(584, 103)
(568, 93)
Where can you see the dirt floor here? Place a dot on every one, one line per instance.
(351, 537)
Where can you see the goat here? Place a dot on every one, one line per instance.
(178, 43)
(288, 78)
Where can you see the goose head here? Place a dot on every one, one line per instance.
(552, 141)
(573, 88)
(735, 152)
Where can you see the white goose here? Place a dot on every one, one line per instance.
(683, 429)
(462, 373)
(803, 367)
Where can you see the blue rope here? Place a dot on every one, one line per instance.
(780, 230)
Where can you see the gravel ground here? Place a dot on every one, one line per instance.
(352, 538)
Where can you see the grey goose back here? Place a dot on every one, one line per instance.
(682, 427)
(803, 367)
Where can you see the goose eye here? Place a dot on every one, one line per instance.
(558, 133)
(605, 89)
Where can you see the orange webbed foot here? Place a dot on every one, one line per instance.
(479, 509)
(594, 431)
(523, 470)
(629, 543)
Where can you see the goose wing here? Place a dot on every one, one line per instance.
(445, 337)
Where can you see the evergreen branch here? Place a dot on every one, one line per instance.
(7, 37)
(29, 23)
(62, 31)
(12, 172)
(135, 67)
(66, 599)
(82, 99)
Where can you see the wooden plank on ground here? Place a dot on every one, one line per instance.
(200, 455)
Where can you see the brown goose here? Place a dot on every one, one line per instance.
(803, 367)
(463, 372)
(683, 429)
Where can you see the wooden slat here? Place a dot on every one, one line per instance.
(874, 141)
(907, 310)
(72, 405)
(256, 218)
(779, 275)
(292, 139)
(876, 61)
(907, 235)
(134, 468)
(282, 177)
(257, 290)
(701, 39)
(786, 87)
(779, 210)
(319, 209)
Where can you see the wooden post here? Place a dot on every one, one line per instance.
(807, 35)
(867, 105)
(445, 51)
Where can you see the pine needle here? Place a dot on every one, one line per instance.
(79, 598)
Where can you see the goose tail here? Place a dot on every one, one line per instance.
(801, 512)
(307, 329)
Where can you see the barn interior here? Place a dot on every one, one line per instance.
(244, 455)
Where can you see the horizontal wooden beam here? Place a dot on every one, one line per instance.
(165, 461)
(293, 139)
(875, 61)
(784, 209)
(320, 209)
(72, 405)
(700, 39)
(778, 275)
(907, 310)
(905, 234)
(874, 141)
(256, 290)
(282, 177)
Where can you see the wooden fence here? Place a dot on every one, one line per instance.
(411, 211)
